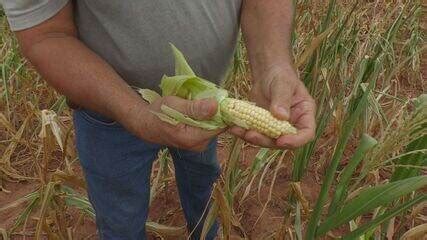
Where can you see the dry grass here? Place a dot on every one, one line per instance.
(36, 146)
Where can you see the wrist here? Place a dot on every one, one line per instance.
(283, 69)
(135, 117)
(264, 56)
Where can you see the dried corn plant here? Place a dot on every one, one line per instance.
(354, 63)
(362, 62)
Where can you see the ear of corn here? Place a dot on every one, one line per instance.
(249, 116)
(186, 84)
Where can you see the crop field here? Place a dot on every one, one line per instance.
(362, 177)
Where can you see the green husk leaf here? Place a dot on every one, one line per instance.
(166, 118)
(180, 117)
(181, 65)
(188, 86)
(191, 88)
(172, 86)
(149, 95)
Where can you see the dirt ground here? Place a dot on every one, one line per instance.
(166, 209)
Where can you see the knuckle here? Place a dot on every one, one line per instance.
(165, 100)
(191, 108)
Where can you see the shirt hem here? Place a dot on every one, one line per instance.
(37, 16)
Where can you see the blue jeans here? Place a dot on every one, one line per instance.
(117, 166)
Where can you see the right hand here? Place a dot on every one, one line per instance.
(183, 136)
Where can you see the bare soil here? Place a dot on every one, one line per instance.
(166, 209)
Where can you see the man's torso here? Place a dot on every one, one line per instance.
(134, 36)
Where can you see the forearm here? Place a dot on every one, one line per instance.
(266, 27)
(86, 79)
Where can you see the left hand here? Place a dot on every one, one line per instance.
(280, 91)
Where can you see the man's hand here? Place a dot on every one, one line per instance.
(267, 27)
(280, 91)
(152, 129)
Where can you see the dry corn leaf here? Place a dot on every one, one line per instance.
(47, 197)
(4, 234)
(5, 123)
(315, 43)
(5, 165)
(49, 118)
(69, 179)
(163, 230)
(296, 187)
(12, 146)
(417, 232)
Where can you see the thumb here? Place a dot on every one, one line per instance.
(281, 99)
(203, 109)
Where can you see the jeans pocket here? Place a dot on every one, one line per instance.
(98, 119)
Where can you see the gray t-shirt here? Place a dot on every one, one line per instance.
(133, 36)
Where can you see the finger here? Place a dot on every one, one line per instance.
(203, 109)
(297, 140)
(306, 125)
(237, 131)
(195, 134)
(258, 139)
(305, 114)
(302, 102)
(191, 138)
(281, 98)
(251, 136)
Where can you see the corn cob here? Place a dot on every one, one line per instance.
(249, 116)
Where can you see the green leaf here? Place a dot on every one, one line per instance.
(370, 199)
(417, 159)
(81, 203)
(357, 107)
(259, 161)
(34, 199)
(298, 225)
(366, 143)
(371, 225)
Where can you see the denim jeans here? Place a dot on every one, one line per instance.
(117, 167)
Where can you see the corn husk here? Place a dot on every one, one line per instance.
(187, 85)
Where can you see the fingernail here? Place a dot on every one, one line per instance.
(206, 107)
